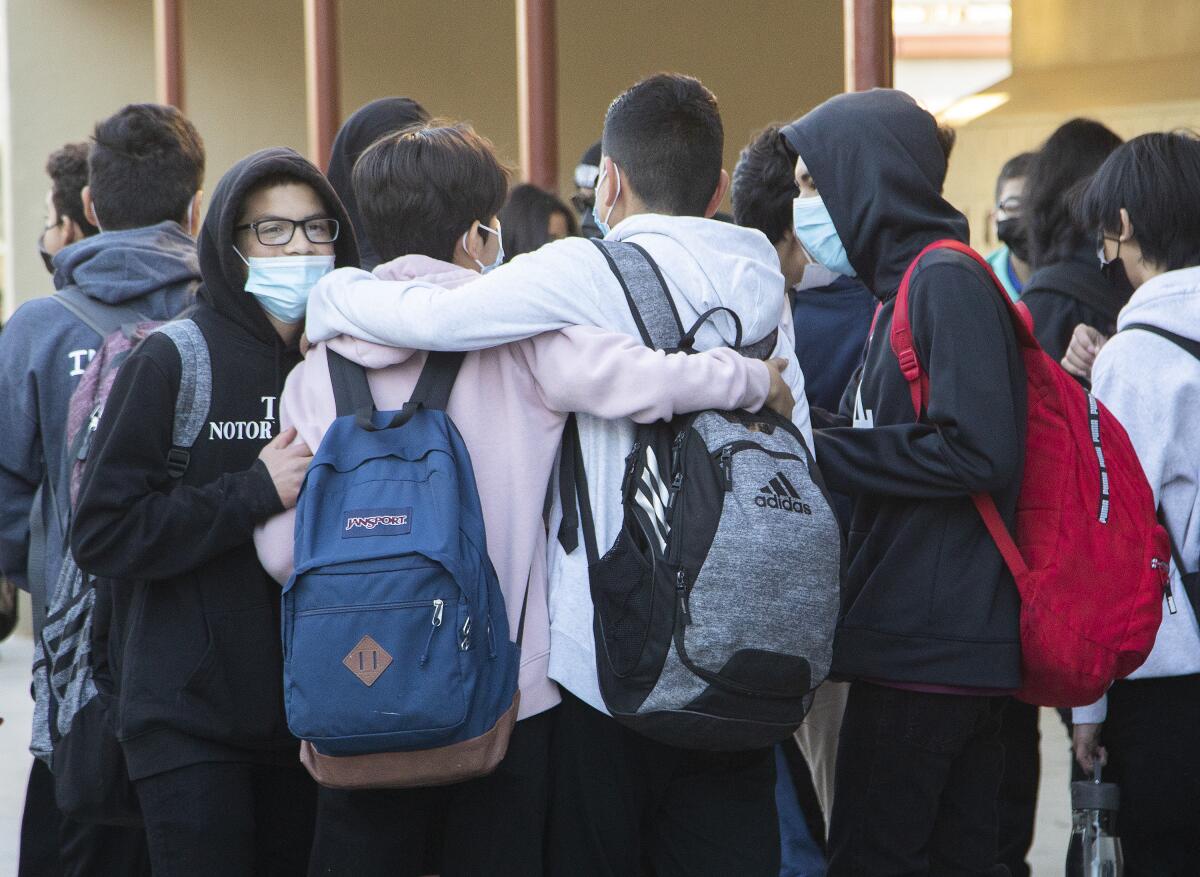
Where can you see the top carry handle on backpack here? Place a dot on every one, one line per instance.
(398, 669)
(1089, 556)
(715, 607)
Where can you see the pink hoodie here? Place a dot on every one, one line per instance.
(510, 404)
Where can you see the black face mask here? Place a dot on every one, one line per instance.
(1012, 234)
(1114, 272)
(47, 259)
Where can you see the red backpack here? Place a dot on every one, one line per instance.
(1090, 559)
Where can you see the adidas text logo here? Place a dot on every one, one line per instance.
(778, 493)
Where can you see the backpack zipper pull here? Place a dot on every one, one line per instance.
(727, 467)
(1164, 570)
(434, 625)
(681, 594)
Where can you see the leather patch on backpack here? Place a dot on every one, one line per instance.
(367, 661)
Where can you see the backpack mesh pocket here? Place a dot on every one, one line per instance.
(622, 583)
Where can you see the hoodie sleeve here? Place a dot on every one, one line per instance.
(785, 348)
(132, 520)
(512, 303)
(21, 465)
(612, 375)
(970, 439)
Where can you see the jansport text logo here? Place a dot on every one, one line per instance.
(778, 493)
(376, 522)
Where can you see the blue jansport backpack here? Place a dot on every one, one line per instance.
(398, 669)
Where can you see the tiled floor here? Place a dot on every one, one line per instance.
(1054, 817)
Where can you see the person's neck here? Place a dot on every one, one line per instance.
(1020, 268)
(288, 332)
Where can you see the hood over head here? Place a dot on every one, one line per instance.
(223, 271)
(364, 127)
(878, 165)
(118, 266)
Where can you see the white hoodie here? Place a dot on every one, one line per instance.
(1153, 387)
(706, 264)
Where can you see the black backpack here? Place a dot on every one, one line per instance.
(715, 607)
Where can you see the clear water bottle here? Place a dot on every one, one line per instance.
(1095, 849)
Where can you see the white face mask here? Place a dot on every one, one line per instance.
(499, 260)
(815, 275)
(281, 284)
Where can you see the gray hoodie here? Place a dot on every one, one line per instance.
(1153, 387)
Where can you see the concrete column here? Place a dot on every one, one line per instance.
(321, 77)
(868, 44)
(168, 52)
(537, 92)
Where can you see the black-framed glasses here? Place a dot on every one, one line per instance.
(278, 232)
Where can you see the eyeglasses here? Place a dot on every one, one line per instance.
(278, 232)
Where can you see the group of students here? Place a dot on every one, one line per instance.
(400, 251)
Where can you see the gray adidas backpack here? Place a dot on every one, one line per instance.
(71, 728)
(715, 607)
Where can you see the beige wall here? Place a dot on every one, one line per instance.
(69, 62)
(1058, 33)
(72, 62)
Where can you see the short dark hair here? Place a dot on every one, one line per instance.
(419, 190)
(68, 172)
(1014, 169)
(526, 215)
(665, 133)
(1156, 178)
(764, 184)
(145, 164)
(1056, 175)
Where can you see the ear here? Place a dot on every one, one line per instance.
(89, 206)
(1126, 226)
(71, 231)
(608, 170)
(195, 213)
(714, 203)
(471, 244)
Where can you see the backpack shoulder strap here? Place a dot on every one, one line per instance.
(351, 391)
(646, 293)
(918, 382)
(1186, 344)
(101, 318)
(437, 379)
(195, 391)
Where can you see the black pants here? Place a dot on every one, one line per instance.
(623, 805)
(917, 776)
(54, 846)
(494, 825)
(236, 820)
(1019, 785)
(1150, 734)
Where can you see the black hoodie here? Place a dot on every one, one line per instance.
(1070, 292)
(364, 127)
(928, 600)
(201, 671)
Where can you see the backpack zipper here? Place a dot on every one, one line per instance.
(435, 623)
(1164, 570)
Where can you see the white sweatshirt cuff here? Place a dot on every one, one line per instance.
(1094, 714)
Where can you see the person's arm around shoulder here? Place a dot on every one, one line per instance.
(613, 375)
(548, 289)
(133, 521)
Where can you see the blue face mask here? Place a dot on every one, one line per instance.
(815, 230)
(281, 284)
(499, 260)
(602, 224)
